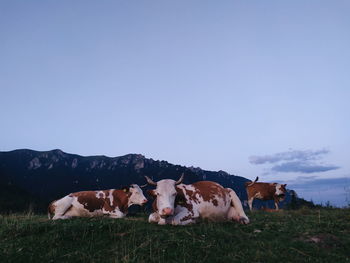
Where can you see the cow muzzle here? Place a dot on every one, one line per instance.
(166, 212)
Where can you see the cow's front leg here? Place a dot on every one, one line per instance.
(184, 217)
(250, 203)
(116, 214)
(163, 221)
(153, 218)
(183, 221)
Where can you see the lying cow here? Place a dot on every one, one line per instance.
(180, 204)
(113, 203)
(265, 191)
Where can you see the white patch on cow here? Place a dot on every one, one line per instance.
(111, 197)
(279, 189)
(276, 205)
(198, 198)
(236, 211)
(69, 206)
(250, 203)
(61, 207)
(100, 194)
(258, 195)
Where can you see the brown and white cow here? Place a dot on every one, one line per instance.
(113, 203)
(180, 204)
(265, 191)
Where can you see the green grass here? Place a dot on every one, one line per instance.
(289, 236)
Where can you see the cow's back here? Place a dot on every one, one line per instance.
(261, 190)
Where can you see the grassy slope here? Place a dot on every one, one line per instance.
(299, 236)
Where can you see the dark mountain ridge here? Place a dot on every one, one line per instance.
(48, 175)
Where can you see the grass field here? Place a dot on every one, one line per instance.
(290, 236)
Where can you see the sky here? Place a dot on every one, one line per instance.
(254, 88)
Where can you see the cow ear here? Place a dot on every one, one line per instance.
(151, 193)
(180, 198)
(125, 189)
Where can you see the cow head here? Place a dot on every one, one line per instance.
(135, 194)
(165, 194)
(280, 191)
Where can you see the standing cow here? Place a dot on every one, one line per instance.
(180, 204)
(265, 191)
(113, 203)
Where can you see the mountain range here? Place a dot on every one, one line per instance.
(32, 179)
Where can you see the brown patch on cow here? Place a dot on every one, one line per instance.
(51, 208)
(154, 206)
(154, 203)
(210, 191)
(215, 202)
(120, 200)
(188, 217)
(151, 193)
(266, 190)
(89, 200)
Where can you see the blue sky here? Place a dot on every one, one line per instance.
(198, 83)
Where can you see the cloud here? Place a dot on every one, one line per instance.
(307, 182)
(322, 190)
(303, 167)
(289, 156)
(295, 161)
(306, 178)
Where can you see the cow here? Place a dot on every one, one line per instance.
(112, 203)
(180, 204)
(265, 191)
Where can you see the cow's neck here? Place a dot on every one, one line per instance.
(121, 200)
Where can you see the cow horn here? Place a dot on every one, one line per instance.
(149, 181)
(180, 180)
(143, 186)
